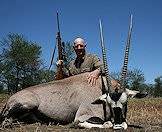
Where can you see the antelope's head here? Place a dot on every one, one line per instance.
(117, 98)
(117, 101)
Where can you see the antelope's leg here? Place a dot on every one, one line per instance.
(89, 115)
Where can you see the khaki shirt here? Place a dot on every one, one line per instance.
(89, 63)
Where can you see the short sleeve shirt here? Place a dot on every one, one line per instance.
(89, 63)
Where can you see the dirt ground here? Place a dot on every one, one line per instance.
(66, 128)
(144, 115)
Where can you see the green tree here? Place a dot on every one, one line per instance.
(158, 87)
(1, 87)
(150, 90)
(45, 75)
(20, 62)
(134, 80)
(68, 53)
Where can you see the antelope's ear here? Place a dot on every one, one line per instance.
(136, 94)
(100, 100)
(141, 95)
(131, 93)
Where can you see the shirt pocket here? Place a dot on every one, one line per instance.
(86, 69)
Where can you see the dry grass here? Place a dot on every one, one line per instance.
(145, 113)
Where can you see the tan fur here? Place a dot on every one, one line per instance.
(66, 100)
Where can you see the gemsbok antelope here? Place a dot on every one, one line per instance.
(67, 100)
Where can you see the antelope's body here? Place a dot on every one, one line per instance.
(64, 100)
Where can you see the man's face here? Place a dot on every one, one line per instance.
(79, 49)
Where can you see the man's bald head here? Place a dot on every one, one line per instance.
(79, 47)
(79, 41)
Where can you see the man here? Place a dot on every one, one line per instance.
(84, 62)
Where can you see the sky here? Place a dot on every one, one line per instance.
(36, 20)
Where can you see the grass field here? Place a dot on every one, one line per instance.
(143, 115)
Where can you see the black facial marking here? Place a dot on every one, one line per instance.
(118, 115)
(115, 96)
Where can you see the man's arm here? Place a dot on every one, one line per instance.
(97, 68)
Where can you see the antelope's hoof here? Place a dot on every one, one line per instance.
(89, 125)
(108, 124)
(120, 126)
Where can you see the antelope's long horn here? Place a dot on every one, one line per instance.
(126, 57)
(104, 58)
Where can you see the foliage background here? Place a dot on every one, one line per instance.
(21, 66)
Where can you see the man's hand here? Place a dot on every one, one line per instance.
(59, 62)
(93, 76)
